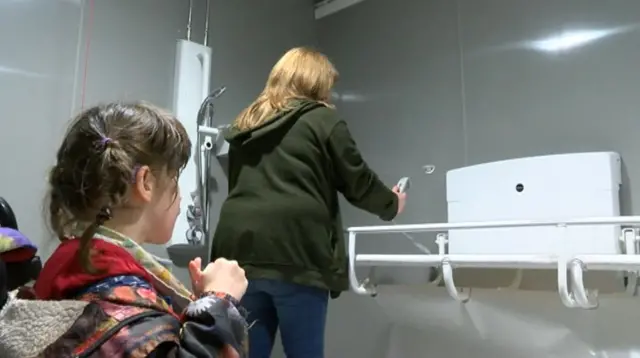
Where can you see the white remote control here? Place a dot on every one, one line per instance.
(403, 184)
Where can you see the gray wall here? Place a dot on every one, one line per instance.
(450, 83)
(132, 54)
(38, 41)
(131, 57)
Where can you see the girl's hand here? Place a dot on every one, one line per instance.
(222, 276)
(229, 352)
(195, 273)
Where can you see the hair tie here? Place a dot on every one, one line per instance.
(134, 174)
(103, 215)
(105, 140)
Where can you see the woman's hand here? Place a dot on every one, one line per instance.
(402, 199)
(220, 276)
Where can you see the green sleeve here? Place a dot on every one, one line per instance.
(355, 180)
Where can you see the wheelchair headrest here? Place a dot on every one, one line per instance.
(15, 247)
(7, 217)
(18, 255)
(18, 261)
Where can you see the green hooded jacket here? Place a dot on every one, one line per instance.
(281, 219)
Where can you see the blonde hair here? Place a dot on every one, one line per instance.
(301, 73)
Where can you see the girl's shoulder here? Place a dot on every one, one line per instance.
(131, 322)
(122, 322)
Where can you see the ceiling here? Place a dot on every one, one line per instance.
(328, 7)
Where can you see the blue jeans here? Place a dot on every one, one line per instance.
(299, 311)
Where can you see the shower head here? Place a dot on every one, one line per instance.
(206, 110)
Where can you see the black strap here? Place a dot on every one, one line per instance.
(115, 329)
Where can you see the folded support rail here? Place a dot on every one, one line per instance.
(574, 296)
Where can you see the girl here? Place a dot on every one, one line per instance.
(113, 188)
(290, 155)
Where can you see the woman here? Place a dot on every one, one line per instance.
(290, 155)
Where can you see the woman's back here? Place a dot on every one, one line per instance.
(284, 160)
(282, 218)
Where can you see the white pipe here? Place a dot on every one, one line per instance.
(592, 262)
(479, 261)
(383, 229)
(209, 131)
(610, 262)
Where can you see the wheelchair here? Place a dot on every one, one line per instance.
(21, 268)
(7, 217)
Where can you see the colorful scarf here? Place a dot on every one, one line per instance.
(164, 281)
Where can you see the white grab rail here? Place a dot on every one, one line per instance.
(577, 296)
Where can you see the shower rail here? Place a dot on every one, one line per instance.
(573, 296)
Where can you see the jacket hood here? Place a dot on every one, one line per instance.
(298, 107)
(28, 327)
(62, 275)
